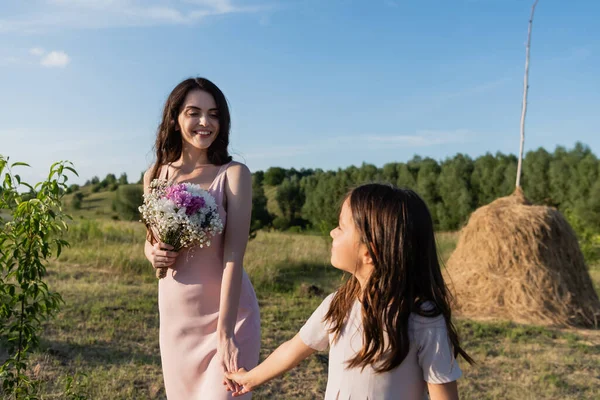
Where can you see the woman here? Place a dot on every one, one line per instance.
(209, 317)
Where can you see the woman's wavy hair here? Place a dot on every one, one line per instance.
(397, 229)
(168, 145)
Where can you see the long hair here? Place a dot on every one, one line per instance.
(397, 229)
(169, 145)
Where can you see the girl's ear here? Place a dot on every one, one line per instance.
(365, 257)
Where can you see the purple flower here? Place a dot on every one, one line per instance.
(178, 195)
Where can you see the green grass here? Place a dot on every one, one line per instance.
(93, 206)
(108, 327)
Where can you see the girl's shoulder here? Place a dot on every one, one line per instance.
(325, 305)
(327, 300)
(417, 321)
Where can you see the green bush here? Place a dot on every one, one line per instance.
(128, 198)
(30, 239)
(589, 238)
(72, 189)
(281, 223)
(76, 200)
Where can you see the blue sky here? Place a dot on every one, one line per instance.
(311, 83)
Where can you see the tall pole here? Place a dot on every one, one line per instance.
(525, 90)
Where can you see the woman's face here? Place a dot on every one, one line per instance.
(198, 120)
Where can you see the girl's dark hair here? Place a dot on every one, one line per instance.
(397, 229)
(169, 144)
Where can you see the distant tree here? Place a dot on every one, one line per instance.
(535, 176)
(76, 200)
(122, 179)
(483, 180)
(260, 216)
(369, 173)
(71, 189)
(390, 173)
(290, 198)
(324, 192)
(274, 176)
(110, 179)
(258, 178)
(559, 175)
(95, 180)
(456, 197)
(506, 170)
(405, 177)
(427, 181)
(128, 198)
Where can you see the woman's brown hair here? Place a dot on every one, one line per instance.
(397, 229)
(168, 145)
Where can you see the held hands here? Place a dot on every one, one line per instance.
(242, 380)
(228, 354)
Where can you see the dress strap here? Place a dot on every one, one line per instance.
(219, 180)
(217, 188)
(164, 172)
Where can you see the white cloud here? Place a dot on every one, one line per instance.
(10, 60)
(422, 138)
(97, 14)
(58, 59)
(37, 51)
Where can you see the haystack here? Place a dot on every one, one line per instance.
(523, 263)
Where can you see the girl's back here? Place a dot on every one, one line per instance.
(429, 360)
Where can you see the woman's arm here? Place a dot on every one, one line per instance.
(284, 358)
(238, 189)
(158, 255)
(444, 391)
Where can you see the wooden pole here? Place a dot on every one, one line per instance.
(525, 90)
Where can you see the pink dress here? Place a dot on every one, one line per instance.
(188, 301)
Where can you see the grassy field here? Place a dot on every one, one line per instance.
(107, 332)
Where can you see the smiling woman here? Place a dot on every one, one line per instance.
(209, 318)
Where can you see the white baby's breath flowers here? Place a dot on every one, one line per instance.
(182, 215)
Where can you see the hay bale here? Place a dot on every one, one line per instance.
(522, 262)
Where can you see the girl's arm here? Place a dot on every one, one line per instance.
(284, 358)
(444, 391)
(238, 189)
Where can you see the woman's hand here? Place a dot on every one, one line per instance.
(161, 256)
(228, 354)
(243, 381)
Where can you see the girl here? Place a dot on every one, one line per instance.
(388, 328)
(209, 318)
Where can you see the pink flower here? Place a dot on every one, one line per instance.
(182, 198)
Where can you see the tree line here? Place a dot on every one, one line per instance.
(453, 188)
(309, 199)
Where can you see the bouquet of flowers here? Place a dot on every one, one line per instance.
(181, 215)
